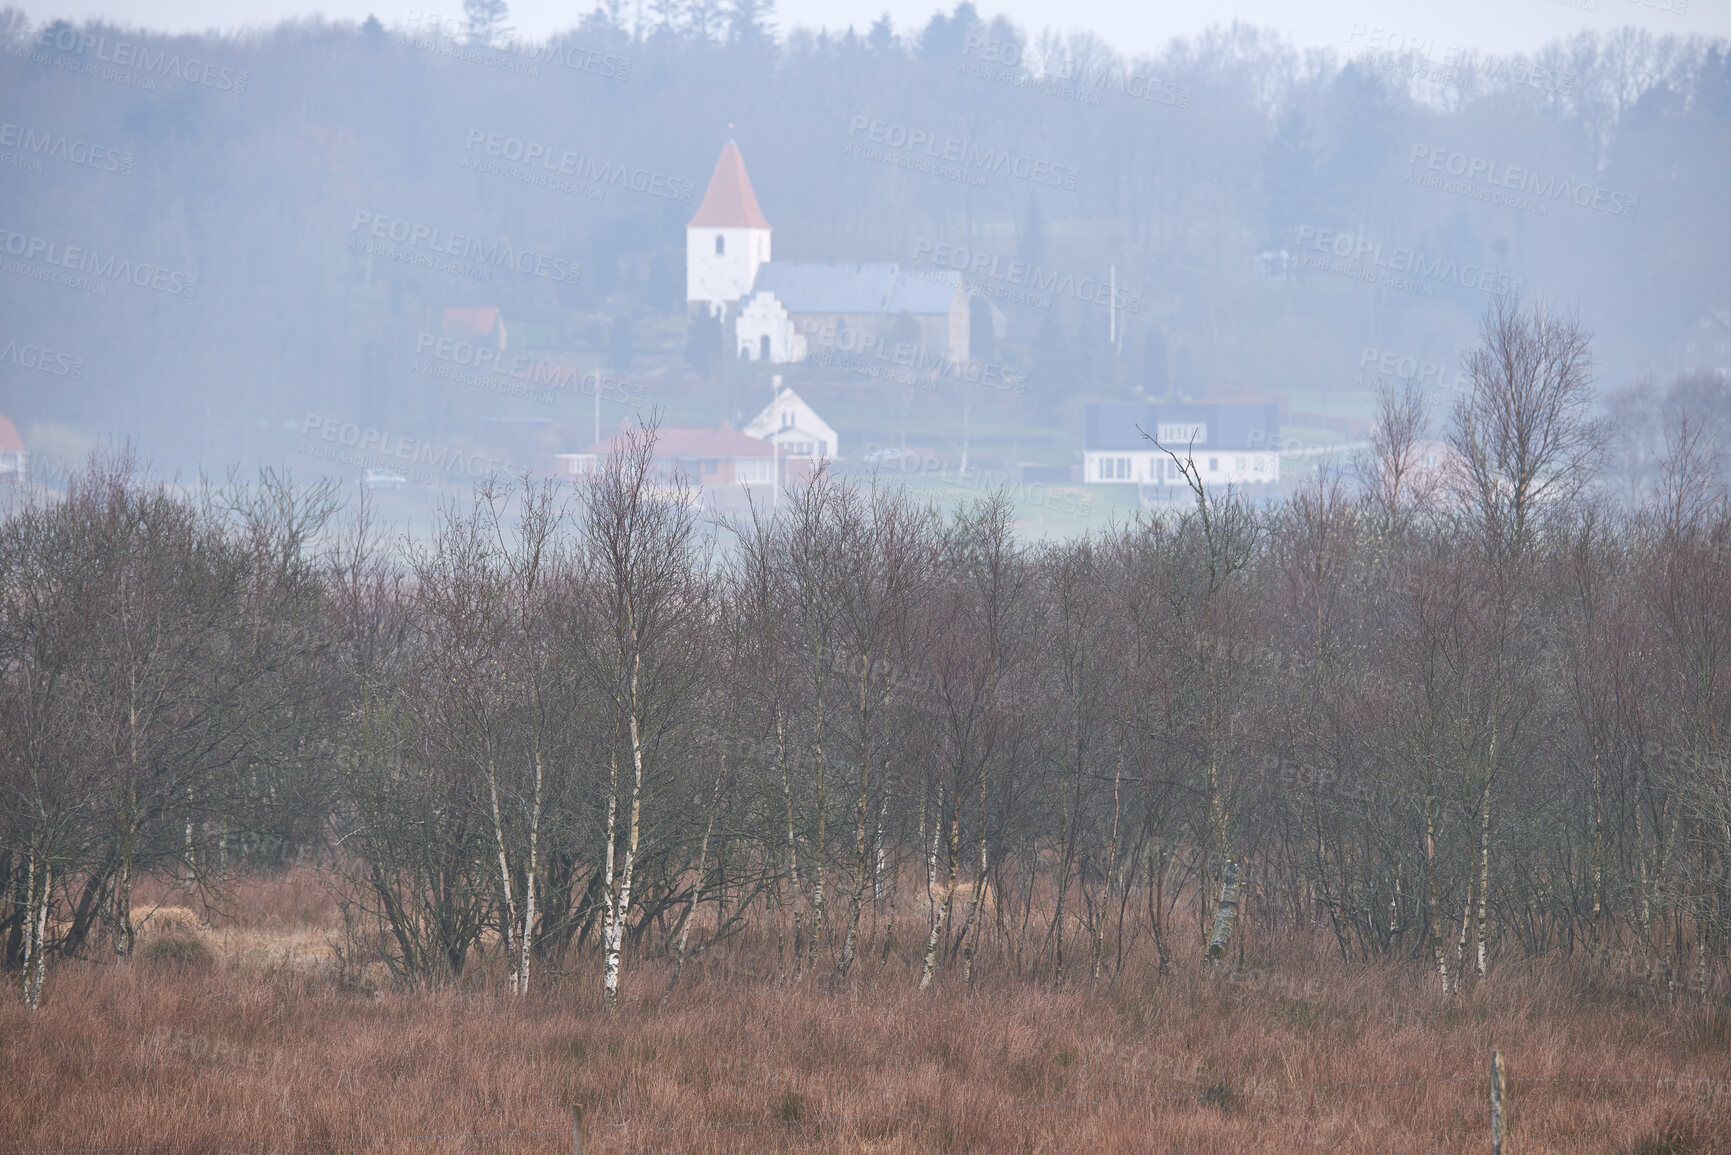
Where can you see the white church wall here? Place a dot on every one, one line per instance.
(764, 317)
(719, 279)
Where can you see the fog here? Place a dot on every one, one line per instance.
(935, 584)
(223, 247)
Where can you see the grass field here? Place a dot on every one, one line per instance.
(244, 1032)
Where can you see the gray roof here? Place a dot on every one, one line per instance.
(870, 287)
(1229, 426)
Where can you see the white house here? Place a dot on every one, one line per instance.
(1226, 444)
(795, 429)
(728, 240)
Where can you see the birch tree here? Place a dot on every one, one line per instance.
(649, 590)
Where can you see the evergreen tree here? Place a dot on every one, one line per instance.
(486, 21)
(750, 22)
(882, 37)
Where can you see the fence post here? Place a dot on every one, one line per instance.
(1497, 1079)
(577, 1129)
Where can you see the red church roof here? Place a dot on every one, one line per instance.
(10, 442)
(729, 203)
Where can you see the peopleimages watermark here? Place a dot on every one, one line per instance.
(1008, 64)
(1063, 77)
(1022, 283)
(34, 145)
(1036, 493)
(83, 268)
(561, 170)
(127, 62)
(949, 157)
(1399, 268)
(555, 376)
(495, 59)
(1417, 57)
(30, 355)
(902, 362)
(485, 367)
(1405, 367)
(202, 1048)
(1497, 183)
(431, 32)
(346, 443)
(430, 247)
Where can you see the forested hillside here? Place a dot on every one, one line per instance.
(224, 234)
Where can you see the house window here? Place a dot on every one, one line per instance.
(707, 465)
(1238, 464)
(823, 449)
(1259, 465)
(1124, 469)
(753, 469)
(1213, 465)
(1176, 433)
(720, 245)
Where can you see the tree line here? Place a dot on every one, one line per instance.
(1177, 205)
(1454, 706)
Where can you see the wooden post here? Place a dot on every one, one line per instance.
(1497, 1079)
(577, 1124)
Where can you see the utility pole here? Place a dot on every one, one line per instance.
(1112, 311)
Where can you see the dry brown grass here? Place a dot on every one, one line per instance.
(242, 1053)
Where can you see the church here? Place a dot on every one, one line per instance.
(784, 311)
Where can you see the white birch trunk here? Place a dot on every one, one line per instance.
(878, 838)
(1484, 875)
(622, 911)
(1442, 965)
(862, 815)
(36, 932)
(934, 910)
(612, 841)
(947, 908)
(1226, 914)
(526, 940)
(504, 871)
(817, 896)
(792, 840)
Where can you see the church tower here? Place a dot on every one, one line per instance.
(727, 240)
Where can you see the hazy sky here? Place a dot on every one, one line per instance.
(1130, 25)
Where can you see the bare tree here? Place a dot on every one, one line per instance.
(638, 528)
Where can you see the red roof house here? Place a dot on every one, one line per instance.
(703, 457)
